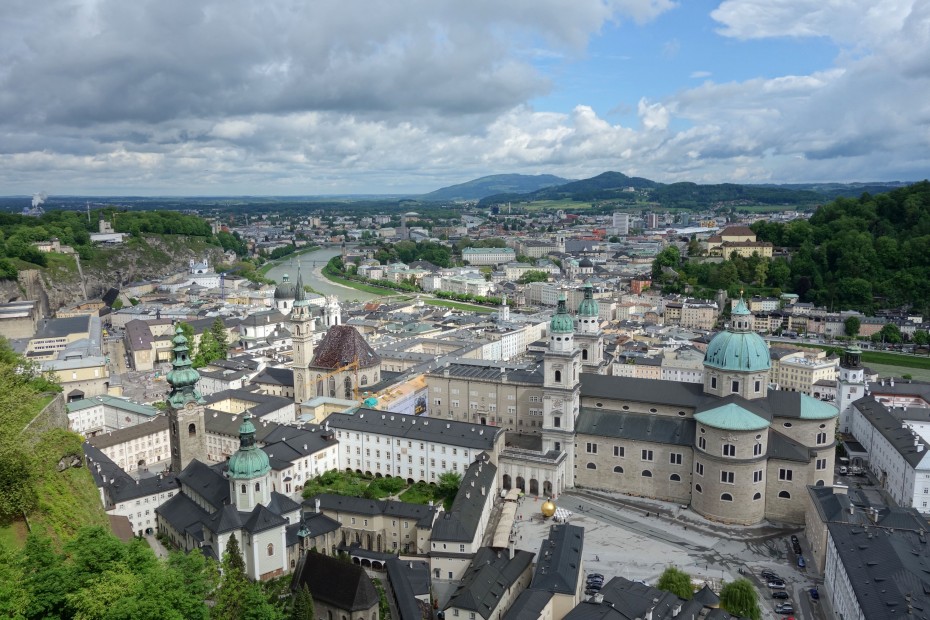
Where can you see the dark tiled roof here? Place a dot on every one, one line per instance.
(206, 482)
(59, 328)
(636, 426)
(281, 504)
(341, 346)
(784, 448)
(529, 605)
(489, 576)
(643, 390)
(337, 583)
(909, 445)
(559, 561)
(275, 376)
(226, 519)
(182, 513)
(262, 519)
(156, 424)
(416, 428)
(625, 600)
(460, 523)
(890, 570)
(408, 580)
(361, 506)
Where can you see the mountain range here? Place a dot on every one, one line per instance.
(616, 186)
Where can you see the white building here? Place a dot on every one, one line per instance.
(488, 256)
(102, 414)
(410, 447)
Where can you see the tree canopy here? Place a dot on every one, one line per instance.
(740, 599)
(676, 581)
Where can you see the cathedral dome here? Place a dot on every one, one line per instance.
(249, 461)
(561, 322)
(738, 348)
(286, 289)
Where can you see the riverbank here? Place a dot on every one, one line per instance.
(264, 269)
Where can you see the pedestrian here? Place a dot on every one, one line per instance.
(597, 558)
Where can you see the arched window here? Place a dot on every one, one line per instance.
(675, 478)
(557, 422)
(698, 488)
(191, 429)
(618, 470)
(591, 466)
(258, 487)
(647, 473)
(364, 380)
(726, 497)
(584, 354)
(319, 385)
(332, 387)
(270, 549)
(819, 483)
(347, 384)
(757, 496)
(242, 489)
(558, 375)
(784, 494)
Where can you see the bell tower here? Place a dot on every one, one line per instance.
(850, 385)
(589, 336)
(186, 431)
(561, 387)
(302, 328)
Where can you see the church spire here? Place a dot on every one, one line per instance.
(182, 377)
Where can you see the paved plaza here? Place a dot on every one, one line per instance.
(621, 540)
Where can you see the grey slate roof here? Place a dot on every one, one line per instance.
(627, 600)
(902, 439)
(275, 376)
(636, 426)
(262, 519)
(784, 448)
(529, 605)
(206, 482)
(59, 328)
(331, 581)
(460, 523)
(890, 570)
(416, 428)
(182, 513)
(407, 580)
(490, 574)
(835, 507)
(156, 424)
(643, 390)
(361, 506)
(559, 561)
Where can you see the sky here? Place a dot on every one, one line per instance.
(292, 97)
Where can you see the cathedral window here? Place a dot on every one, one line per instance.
(557, 422)
(258, 487)
(191, 429)
(270, 549)
(558, 376)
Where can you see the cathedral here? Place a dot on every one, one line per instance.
(733, 449)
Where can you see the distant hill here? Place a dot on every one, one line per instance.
(617, 186)
(477, 189)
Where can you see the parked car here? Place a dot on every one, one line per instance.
(780, 594)
(801, 562)
(815, 594)
(769, 575)
(595, 576)
(593, 585)
(591, 591)
(784, 608)
(777, 584)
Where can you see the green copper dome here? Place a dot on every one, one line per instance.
(561, 323)
(588, 307)
(731, 417)
(249, 461)
(738, 348)
(182, 377)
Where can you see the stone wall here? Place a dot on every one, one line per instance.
(54, 415)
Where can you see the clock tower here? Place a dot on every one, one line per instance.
(561, 387)
(186, 431)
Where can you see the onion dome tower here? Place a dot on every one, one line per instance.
(185, 408)
(247, 470)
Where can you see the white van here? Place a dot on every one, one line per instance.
(843, 470)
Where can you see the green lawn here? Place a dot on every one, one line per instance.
(885, 370)
(883, 358)
(17, 419)
(374, 290)
(421, 493)
(14, 535)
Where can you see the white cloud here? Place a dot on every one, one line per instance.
(697, 75)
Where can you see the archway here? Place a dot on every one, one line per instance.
(506, 482)
(521, 484)
(534, 486)
(547, 488)
(484, 421)
(368, 542)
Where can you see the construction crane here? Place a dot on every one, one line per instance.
(353, 365)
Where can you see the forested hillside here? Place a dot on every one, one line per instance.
(866, 253)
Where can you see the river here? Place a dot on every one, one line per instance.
(311, 265)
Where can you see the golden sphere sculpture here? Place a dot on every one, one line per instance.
(547, 509)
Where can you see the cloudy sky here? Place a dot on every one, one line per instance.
(297, 97)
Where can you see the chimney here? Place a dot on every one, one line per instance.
(467, 494)
(510, 550)
(891, 381)
(316, 505)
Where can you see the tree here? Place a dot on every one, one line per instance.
(851, 326)
(740, 599)
(302, 608)
(677, 582)
(448, 486)
(219, 334)
(891, 333)
(18, 495)
(230, 593)
(208, 350)
(533, 275)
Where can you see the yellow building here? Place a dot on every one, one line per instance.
(798, 371)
